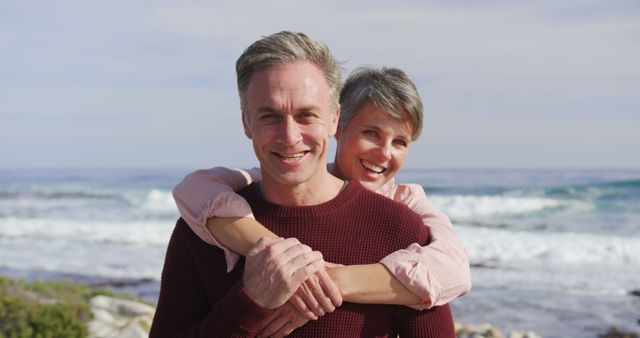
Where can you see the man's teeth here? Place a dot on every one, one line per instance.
(372, 167)
(292, 156)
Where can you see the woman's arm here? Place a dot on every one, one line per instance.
(386, 283)
(220, 217)
(371, 284)
(238, 234)
(438, 272)
(365, 284)
(209, 196)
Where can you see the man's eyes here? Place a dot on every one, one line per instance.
(268, 117)
(307, 115)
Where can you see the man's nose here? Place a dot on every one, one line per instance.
(290, 133)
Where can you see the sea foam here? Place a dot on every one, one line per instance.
(149, 233)
(470, 206)
(501, 246)
(159, 200)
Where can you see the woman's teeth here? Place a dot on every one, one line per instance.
(372, 167)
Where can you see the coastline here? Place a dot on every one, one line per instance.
(105, 309)
(146, 289)
(546, 254)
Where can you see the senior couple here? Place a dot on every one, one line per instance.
(302, 247)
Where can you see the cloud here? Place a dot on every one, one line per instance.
(162, 73)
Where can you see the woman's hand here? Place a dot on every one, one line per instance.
(283, 321)
(317, 296)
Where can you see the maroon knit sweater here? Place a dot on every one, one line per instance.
(199, 299)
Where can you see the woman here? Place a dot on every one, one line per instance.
(381, 114)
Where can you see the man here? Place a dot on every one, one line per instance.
(289, 85)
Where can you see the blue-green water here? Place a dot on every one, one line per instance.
(559, 250)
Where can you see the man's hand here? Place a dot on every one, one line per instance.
(317, 296)
(283, 321)
(275, 268)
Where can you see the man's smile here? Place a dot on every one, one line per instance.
(290, 156)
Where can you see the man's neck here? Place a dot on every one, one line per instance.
(322, 188)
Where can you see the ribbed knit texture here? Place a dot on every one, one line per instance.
(199, 299)
(356, 227)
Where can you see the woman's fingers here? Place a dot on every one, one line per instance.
(330, 288)
(276, 321)
(324, 302)
(297, 302)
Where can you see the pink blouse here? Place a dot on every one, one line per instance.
(437, 273)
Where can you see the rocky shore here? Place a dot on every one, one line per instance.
(68, 309)
(71, 309)
(489, 331)
(119, 318)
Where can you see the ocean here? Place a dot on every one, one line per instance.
(553, 251)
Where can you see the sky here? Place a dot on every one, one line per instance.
(151, 83)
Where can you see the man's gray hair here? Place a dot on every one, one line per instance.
(287, 47)
(390, 89)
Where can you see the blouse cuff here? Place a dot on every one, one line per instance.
(407, 266)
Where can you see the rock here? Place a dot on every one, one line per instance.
(488, 331)
(483, 265)
(115, 317)
(523, 334)
(121, 306)
(477, 331)
(614, 332)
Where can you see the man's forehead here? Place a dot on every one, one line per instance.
(292, 85)
(293, 73)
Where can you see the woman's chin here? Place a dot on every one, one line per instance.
(371, 185)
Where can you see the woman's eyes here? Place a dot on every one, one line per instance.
(374, 134)
(370, 132)
(401, 143)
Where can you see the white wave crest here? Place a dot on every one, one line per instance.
(468, 207)
(156, 200)
(504, 246)
(145, 233)
(115, 249)
(159, 200)
(104, 259)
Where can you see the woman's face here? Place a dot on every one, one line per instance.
(372, 147)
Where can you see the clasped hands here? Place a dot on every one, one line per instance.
(288, 276)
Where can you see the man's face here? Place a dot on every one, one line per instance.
(290, 120)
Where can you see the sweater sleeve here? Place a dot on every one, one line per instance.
(438, 272)
(211, 193)
(184, 308)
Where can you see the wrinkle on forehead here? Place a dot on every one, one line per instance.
(292, 84)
